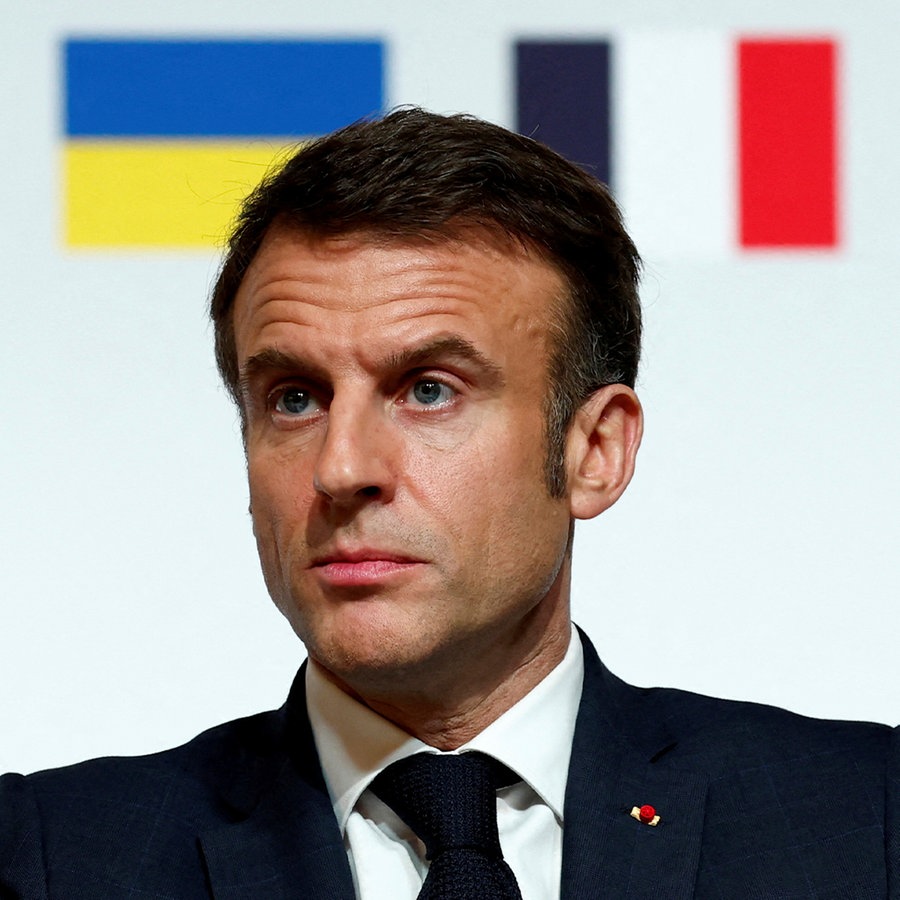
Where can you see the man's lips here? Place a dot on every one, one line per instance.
(362, 566)
(362, 555)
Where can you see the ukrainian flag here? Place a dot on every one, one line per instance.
(165, 137)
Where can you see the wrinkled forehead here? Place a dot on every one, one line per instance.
(472, 251)
(373, 292)
(458, 238)
(487, 235)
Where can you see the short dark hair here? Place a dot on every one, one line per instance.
(415, 173)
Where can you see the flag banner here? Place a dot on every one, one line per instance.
(674, 158)
(563, 99)
(716, 144)
(788, 143)
(165, 137)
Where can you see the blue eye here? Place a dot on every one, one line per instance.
(429, 393)
(294, 402)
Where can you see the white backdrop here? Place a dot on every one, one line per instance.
(753, 557)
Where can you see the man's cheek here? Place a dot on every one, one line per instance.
(445, 433)
(446, 482)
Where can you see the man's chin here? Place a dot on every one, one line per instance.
(380, 664)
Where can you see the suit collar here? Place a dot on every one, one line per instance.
(623, 756)
(284, 841)
(532, 737)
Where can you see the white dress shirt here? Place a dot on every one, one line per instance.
(533, 738)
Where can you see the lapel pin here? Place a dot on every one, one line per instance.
(645, 814)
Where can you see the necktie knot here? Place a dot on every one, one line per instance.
(450, 802)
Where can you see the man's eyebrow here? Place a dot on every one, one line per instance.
(433, 352)
(273, 360)
(441, 349)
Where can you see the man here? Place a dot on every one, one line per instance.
(430, 327)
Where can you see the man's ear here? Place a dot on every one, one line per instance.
(601, 447)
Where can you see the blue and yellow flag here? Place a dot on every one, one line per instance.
(165, 137)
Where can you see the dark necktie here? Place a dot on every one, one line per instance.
(450, 802)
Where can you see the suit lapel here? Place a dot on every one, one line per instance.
(623, 758)
(285, 842)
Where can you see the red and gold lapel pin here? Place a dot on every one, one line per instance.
(645, 814)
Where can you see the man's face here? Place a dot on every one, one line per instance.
(394, 396)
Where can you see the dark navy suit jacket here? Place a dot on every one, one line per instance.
(755, 802)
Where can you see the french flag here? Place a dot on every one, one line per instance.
(712, 144)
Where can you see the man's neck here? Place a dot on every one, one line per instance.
(448, 715)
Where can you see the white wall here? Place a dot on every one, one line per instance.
(753, 557)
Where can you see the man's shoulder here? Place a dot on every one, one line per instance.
(770, 793)
(79, 820)
(726, 736)
(197, 758)
(756, 758)
(744, 752)
(183, 782)
(699, 718)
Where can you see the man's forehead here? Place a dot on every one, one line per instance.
(458, 234)
(499, 299)
(469, 263)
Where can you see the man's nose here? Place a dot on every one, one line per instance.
(356, 460)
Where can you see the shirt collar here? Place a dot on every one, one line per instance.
(533, 738)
